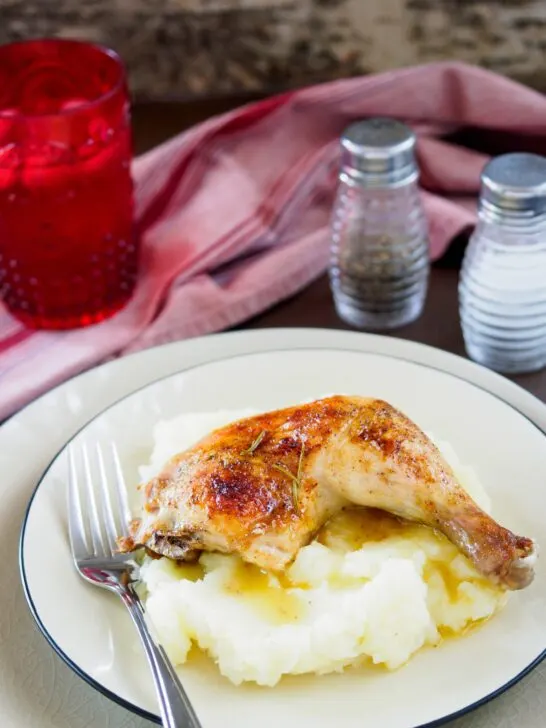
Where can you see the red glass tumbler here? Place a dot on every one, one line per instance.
(68, 250)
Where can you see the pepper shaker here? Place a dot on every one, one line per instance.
(502, 287)
(379, 262)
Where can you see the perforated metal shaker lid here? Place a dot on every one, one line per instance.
(514, 185)
(379, 148)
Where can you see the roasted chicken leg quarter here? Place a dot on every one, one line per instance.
(262, 487)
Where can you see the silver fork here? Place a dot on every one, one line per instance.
(95, 521)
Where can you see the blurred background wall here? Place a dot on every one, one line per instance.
(190, 48)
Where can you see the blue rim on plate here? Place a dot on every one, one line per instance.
(152, 716)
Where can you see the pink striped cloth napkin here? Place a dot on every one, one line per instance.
(234, 212)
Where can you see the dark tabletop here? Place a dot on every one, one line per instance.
(439, 324)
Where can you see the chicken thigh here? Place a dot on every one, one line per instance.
(263, 486)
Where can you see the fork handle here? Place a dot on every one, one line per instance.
(175, 707)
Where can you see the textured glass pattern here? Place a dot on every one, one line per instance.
(502, 293)
(68, 247)
(379, 262)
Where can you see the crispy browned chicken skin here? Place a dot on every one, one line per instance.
(263, 486)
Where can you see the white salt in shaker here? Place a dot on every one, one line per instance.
(502, 287)
(379, 264)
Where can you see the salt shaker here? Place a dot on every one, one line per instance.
(502, 287)
(379, 263)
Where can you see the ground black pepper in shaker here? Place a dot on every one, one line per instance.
(379, 263)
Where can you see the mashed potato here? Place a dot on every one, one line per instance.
(368, 589)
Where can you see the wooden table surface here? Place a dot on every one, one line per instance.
(439, 324)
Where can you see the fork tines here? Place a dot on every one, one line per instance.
(97, 500)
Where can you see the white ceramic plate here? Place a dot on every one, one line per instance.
(91, 632)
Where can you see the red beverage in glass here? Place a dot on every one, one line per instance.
(68, 251)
